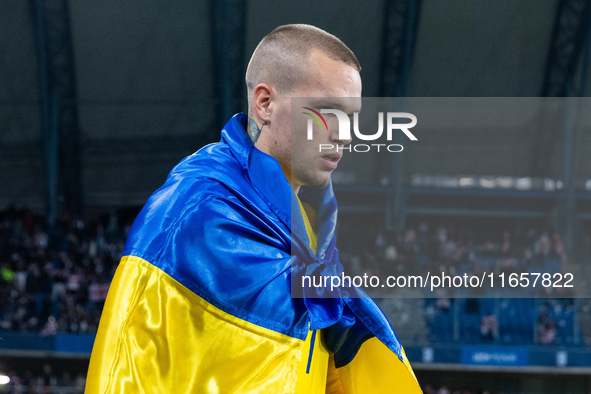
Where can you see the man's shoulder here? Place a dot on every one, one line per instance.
(207, 181)
(213, 160)
(211, 172)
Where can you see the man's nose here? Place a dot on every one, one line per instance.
(334, 134)
(336, 138)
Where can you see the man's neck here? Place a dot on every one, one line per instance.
(257, 143)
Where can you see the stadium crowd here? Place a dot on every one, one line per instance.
(529, 316)
(446, 248)
(45, 383)
(56, 281)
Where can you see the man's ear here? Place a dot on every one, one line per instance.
(262, 95)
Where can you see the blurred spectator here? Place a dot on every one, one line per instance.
(80, 381)
(443, 390)
(547, 332)
(66, 380)
(429, 390)
(47, 380)
(489, 328)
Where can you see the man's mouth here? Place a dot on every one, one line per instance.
(331, 160)
(332, 157)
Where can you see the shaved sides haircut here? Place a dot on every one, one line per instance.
(281, 58)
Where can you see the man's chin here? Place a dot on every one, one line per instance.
(320, 182)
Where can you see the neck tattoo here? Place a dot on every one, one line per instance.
(255, 130)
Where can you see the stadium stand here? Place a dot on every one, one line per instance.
(449, 248)
(58, 284)
(47, 382)
(55, 283)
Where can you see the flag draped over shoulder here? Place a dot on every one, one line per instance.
(201, 301)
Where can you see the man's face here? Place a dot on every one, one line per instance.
(328, 81)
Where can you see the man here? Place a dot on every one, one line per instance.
(201, 301)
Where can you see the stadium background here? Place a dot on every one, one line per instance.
(99, 100)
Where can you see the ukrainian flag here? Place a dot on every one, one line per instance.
(201, 300)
